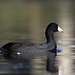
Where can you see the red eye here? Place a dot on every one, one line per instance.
(54, 26)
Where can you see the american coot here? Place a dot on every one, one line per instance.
(16, 50)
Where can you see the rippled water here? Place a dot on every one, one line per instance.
(26, 22)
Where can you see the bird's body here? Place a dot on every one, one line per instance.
(27, 50)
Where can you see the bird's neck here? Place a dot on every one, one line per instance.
(50, 36)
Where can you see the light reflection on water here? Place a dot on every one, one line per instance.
(66, 64)
(28, 24)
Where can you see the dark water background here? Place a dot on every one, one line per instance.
(26, 21)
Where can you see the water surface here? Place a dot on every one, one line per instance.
(25, 21)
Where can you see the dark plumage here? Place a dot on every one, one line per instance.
(15, 50)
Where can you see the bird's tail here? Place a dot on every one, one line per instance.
(1, 50)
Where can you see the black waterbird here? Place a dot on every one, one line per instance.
(21, 51)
